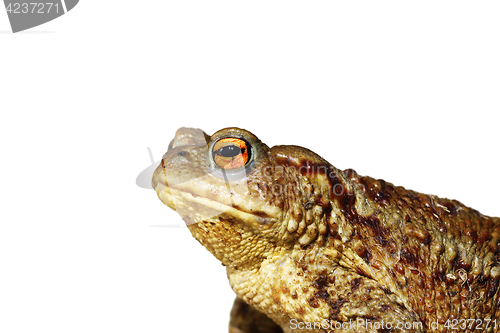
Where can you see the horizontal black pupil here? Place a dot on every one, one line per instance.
(230, 151)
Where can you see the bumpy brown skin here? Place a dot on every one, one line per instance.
(312, 247)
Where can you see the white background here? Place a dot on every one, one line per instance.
(404, 92)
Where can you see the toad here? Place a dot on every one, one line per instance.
(310, 248)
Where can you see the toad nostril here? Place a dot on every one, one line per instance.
(182, 153)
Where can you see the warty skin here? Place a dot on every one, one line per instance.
(305, 243)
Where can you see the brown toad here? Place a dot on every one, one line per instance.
(310, 248)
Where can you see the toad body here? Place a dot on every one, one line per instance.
(310, 248)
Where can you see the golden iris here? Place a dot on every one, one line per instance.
(231, 153)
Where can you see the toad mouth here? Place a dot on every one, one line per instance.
(186, 203)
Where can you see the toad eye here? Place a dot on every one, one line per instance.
(231, 153)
